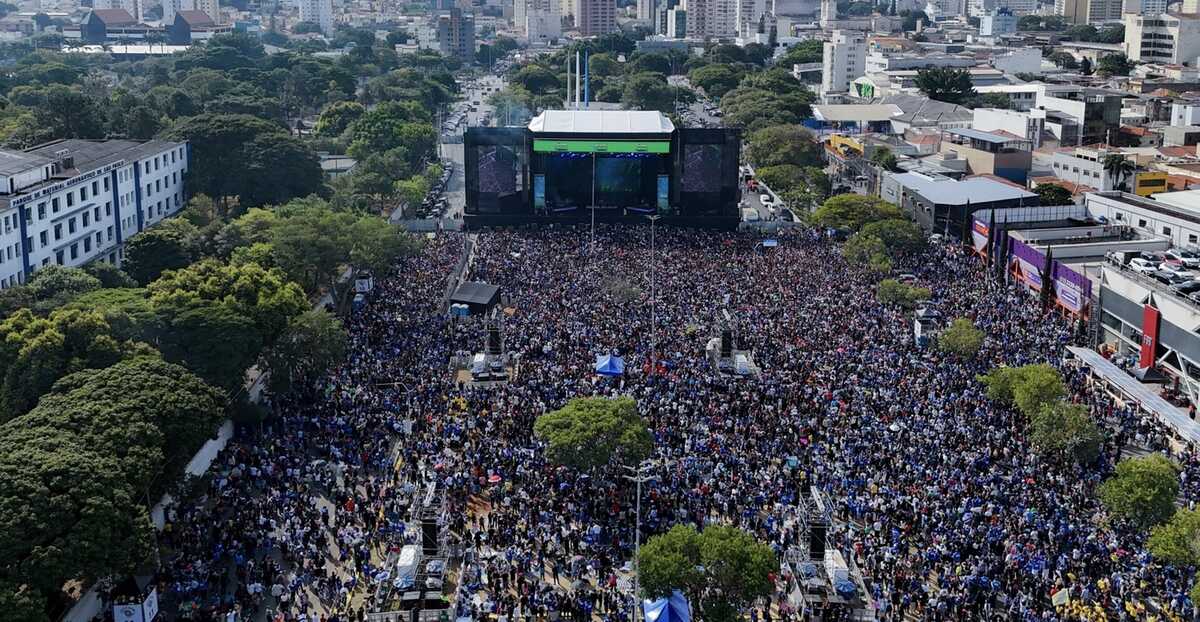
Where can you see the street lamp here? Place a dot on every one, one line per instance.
(640, 475)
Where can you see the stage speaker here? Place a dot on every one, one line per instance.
(493, 339)
(726, 343)
(429, 535)
(816, 541)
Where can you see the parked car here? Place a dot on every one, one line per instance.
(1187, 258)
(1142, 265)
(1186, 287)
(1177, 270)
(1163, 276)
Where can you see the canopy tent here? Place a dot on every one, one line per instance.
(478, 297)
(609, 365)
(673, 609)
(1145, 397)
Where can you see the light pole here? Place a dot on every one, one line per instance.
(641, 476)
(592, 251)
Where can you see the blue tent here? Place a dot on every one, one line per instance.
(608, 365)
(673, 609)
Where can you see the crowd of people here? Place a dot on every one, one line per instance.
(941, 501)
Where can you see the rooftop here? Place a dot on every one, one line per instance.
(13, 162)
(93, 154)
(946, 191)
(602, 122)
(990, 137)
(856, 112)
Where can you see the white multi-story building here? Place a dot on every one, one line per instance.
(1146, 7)
(319, 12)
(998, 22)
(845, 59)
(539, 21)
(1095, 12)
(71, 202)
(1167, 39)
(748, 14)
(1184, 114)
(645, 10)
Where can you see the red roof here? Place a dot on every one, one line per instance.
(1071, 186)
(1136, 131)
(1177, 152)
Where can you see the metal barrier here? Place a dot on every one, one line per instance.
(430, 225)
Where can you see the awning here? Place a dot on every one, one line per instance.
(608, 365)
(673, 609)
(1145, 397)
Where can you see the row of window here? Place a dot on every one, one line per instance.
(1142, 224)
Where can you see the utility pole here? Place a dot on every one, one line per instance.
(641, 476)
(653, 292)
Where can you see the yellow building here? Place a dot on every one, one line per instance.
(1147, 183)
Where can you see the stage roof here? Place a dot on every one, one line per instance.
(602, 122)
(476, 295)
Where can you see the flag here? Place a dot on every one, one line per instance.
(1061, 597)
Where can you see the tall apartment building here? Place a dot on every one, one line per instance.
(1095, 12)
(596, 17)
(539, 21)
(211, 8)
(677, 23)
(171, 7)
(712, 19)
(646, 10)
(1166, 39)
(456, 35)
(319, 12)
(845, 59)
(135, 8)
(1146, 7)
(71, 202)
(748, 14)
(998, 22)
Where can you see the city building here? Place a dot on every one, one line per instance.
(539, 21)
(1146, 7)
(1185, 113)
(70, 202)
(943, 204)
(749, 15)
(1181, 135)
(645, 10)
(844, 60)
(135, 8)
(990, 153)
(1169, 39)
(712, 19)
(878, 61)
(456, 35)
(596, 17)
(319, 12)
(211, 8)
(1095, 12)
(171, 7)
(190, 26)
(102, 25)
(998, 22)
(677, 23)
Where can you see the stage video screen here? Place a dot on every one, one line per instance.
(621, 181)
(497, 170)
(568, 181)
(701, 168)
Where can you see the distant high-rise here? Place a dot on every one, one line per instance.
(319, 12)
(171, 7)
(456, 35)
(596, 17)
(749, 12)
(135, 8)
(712, 19)
(1093, 12)
(540, 21)
(845, 59)
(645, 10)
(211, 8)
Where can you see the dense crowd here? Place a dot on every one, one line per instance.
(942, 503)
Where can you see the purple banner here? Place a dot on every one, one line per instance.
(1072, 290)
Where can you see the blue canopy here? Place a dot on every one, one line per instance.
(673, 609)
(608, 365)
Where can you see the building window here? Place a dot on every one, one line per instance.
(106, 183)
(86, 219)
(1142, 222)
(82, 194)
(75, 251)
(1166, 231)
(1120, 216)
(1192, 238)
(58, 231)
(41, 211)
(58, 257)
(70, 199)
(95, 188)
(71, 225)
(87, 245)
(110, 233)
(44, 239)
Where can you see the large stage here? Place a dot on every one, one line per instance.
(621, 165)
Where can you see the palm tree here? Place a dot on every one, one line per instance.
(1119, 168)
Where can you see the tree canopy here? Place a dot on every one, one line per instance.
(853, 212)
(961, 338)
(1142, 491)
(591, 432)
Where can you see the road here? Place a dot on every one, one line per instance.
(459, 119)
(695, 114)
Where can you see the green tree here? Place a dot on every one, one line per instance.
(649, 91)
(783, 144)
(1085, 66)
(1142, 491)
(591, 432)
(313, 343)
(716, 79)
(722, 570)
(867, 250)
(1030, 387)
(109, 275)
(1066, 432)
(1053, 194)
(781, 177)
(989, 100)
(53, 286)
(149, 253)
(852, 211)
(1063, 59)
(945, 84)
(961, 338)
(893, 292)
(900, 236)
(884, 159)
(804, 52)
(209, 338)
(1114, 65)
(1119, 168)
(1177, 541)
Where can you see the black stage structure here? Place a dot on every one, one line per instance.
(622, 165)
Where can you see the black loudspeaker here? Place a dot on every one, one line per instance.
(493, 338)
(816, 541)
(726, 343)
(429, 535)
